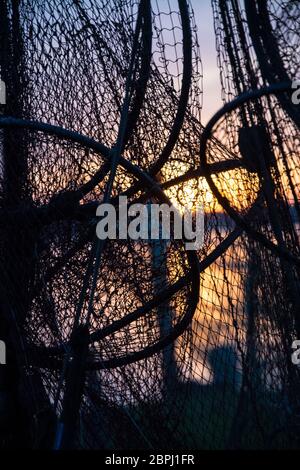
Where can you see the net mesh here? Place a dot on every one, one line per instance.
(261, 135)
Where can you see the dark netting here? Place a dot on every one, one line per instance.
(121, 74)
(261, 130)
(261, 192)
(284, 18)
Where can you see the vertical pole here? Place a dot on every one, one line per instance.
(164, 311)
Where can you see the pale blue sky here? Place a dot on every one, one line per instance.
(212, 90)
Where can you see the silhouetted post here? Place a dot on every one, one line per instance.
(17, 241)
(251, 369)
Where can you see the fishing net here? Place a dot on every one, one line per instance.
(260, 130)
(103, 100)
